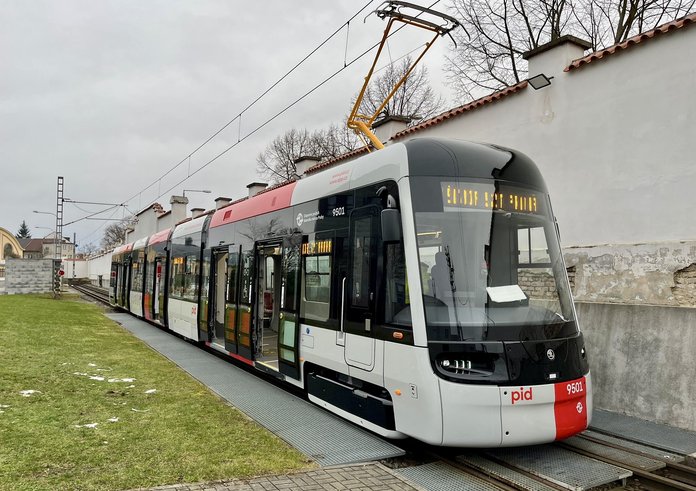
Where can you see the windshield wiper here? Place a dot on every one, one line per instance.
(453, 289)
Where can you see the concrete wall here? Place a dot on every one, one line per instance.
(28, 276)
(75, 268)
(647, 274)
(642, 360)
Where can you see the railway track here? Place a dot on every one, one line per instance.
(670, 476)
(93, 292)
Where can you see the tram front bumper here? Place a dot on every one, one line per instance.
(492, 416)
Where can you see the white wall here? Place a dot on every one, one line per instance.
(99, 265)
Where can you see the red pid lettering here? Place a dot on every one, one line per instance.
(522, 395)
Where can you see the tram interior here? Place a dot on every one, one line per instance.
(268, 305)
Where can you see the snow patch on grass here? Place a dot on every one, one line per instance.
(151, 391)
(29, 392)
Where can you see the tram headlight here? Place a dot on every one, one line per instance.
(466, 366)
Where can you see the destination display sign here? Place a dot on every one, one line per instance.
(316, 247)
(458, 196)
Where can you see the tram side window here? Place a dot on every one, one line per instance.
(316, 280)
(137, 284)
(191, 283)
(362, 252)
(185, 277)
(232, 268)
(290, 268)
(247, 277)
(205, 278)
(178, 277)
(396, 294)
(149, 275)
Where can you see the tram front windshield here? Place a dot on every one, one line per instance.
(490, 263)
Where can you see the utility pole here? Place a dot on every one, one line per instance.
(74, 255)
(58, 238)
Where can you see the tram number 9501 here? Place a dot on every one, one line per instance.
(338, 211)
(574, 388)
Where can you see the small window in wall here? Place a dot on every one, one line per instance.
(532, 246)
(316, 279)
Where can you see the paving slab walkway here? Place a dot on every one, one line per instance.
(358, 477)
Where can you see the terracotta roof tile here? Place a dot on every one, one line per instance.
(640, 38)
(457, 111)
(337, 160)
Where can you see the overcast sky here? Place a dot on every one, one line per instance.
(112, 94)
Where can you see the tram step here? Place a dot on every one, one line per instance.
(359, 403)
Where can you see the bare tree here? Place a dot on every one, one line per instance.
(277, 162)
(115, 233)
(335, 141)
(89, 248)
(499, 31)
(415, 99)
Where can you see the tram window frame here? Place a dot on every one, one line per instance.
(138, 269)
(291, 268)
(233, 268)
(529, 235)
(314, 309)
(246, 288)
(395, 252)
(150, 258)
(365, 253)
(185, 273)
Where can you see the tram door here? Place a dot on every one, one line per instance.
(158, 298)
(361, 288)
(113, 282)
(288, 332)
(218, 296)
(267, 304)
(125, 285)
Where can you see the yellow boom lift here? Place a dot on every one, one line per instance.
(394, 10)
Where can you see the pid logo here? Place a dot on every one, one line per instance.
(521, 395)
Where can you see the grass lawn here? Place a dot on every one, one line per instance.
(108, 412)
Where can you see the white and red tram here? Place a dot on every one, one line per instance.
(417, 291)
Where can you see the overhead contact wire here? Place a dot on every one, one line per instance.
(289, 106)
(297, 65)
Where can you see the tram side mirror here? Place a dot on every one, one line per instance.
(391, 225)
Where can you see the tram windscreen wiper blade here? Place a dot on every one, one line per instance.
(453, 289)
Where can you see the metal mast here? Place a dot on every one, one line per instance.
(58, 238)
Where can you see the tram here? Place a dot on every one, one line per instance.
(417, 291)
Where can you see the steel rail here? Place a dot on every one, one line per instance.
(649, 480)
